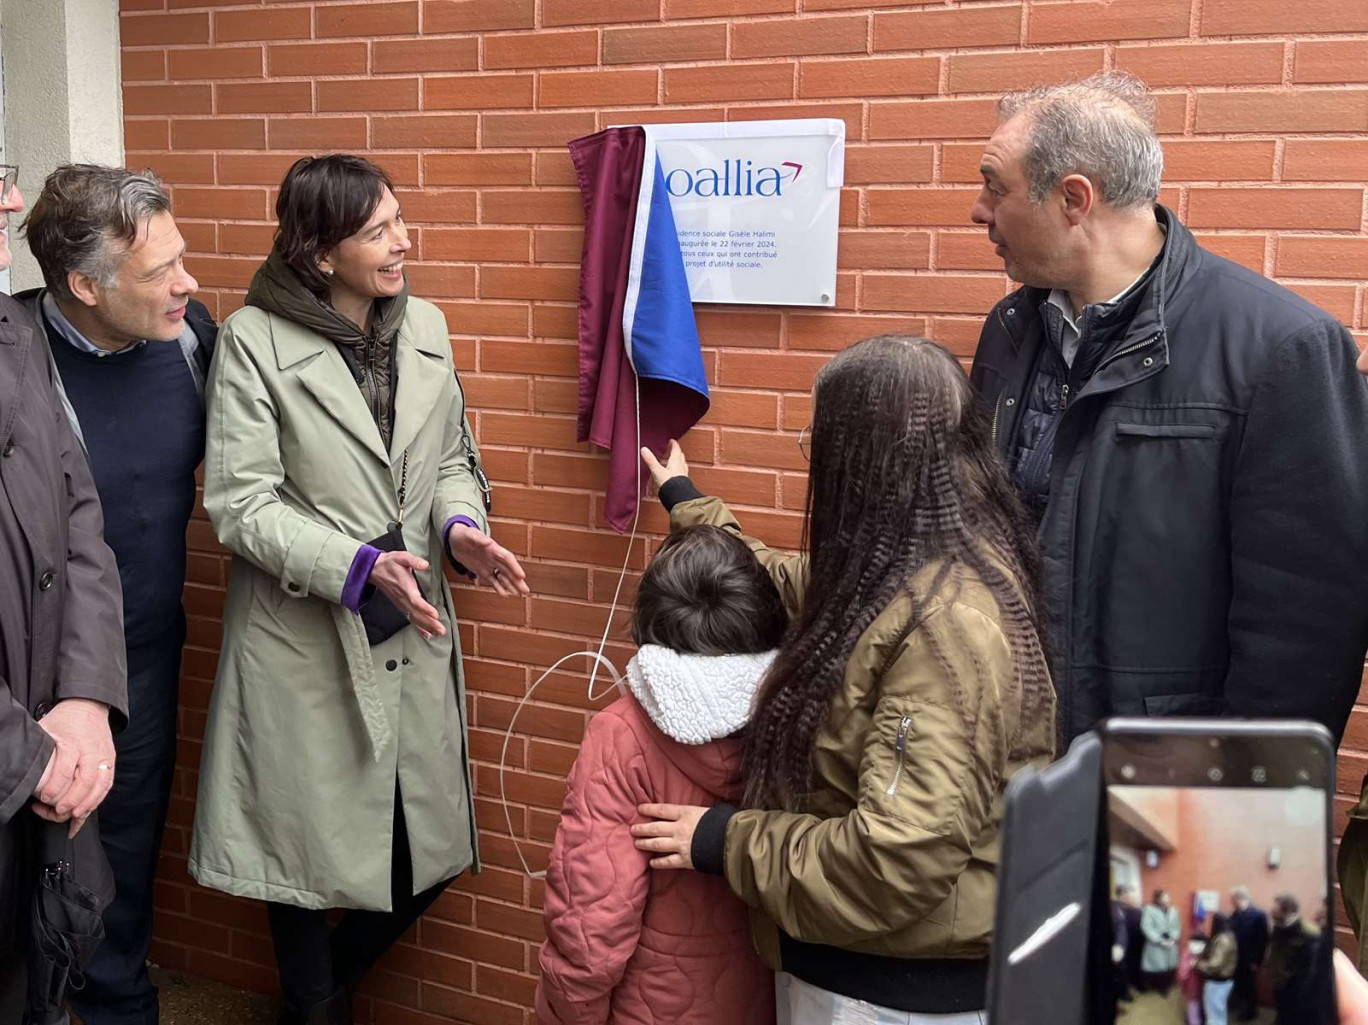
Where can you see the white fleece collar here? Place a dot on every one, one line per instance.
(696, 698)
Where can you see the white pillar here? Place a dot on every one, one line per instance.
(63, 94)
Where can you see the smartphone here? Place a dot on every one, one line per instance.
(1217, 873)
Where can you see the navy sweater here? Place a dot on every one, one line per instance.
(143, 424)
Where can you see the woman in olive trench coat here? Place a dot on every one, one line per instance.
(310, 727)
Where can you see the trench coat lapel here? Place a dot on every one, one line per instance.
(16, 352)
(421, 371)
(324, 374)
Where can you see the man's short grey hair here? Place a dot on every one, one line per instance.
(1102, 127)
(85, 220)
(1240, 893)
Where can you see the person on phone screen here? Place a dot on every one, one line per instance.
(1216, 967)
(1250, 926)
(1162, 930)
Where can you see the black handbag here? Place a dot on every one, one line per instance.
(380, 616)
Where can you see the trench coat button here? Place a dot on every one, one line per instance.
(293, 587)
(42, 709)
(391, 665)
(7, 451)
(406, 661)
(46, 581)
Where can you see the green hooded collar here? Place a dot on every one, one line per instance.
(277, 289)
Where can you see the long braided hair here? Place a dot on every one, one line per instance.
(904, 476)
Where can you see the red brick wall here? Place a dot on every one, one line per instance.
(468, 104)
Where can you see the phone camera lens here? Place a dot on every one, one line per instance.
(1128, 772)
(1259, 774)
(1215, 774)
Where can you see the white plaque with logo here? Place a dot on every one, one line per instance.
(757, 207)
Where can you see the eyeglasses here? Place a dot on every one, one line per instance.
(805, 442)
(9, 178)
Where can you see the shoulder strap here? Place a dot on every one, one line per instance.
(471, 452)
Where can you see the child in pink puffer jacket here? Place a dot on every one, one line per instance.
(625, 945)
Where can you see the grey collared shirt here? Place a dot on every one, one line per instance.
(67, 330)
(1059, 298)
(187, 341)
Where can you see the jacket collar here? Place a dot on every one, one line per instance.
(1138, 344)
(16, 353)
(421, 376)
(1142, 309)
(695, 699)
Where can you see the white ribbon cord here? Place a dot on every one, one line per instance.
(597, 657)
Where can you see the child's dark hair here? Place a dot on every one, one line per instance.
(705, 593)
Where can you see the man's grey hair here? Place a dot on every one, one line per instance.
(1102, 127)
(85, 220)
(1241, 893)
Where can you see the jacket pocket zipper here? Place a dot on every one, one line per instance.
(900, 746)
(1126, 352)
(997, 408)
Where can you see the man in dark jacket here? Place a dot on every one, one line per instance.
(1187, 434)
(1126, 935)
(130, 350)
(62, 677)
(1250, 926)
(1293, 950)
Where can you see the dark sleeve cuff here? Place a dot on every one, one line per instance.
(676, 490)
(709, 847)
(358, 577)
(446, 543)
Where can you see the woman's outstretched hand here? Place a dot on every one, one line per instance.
(671, 835)
(492, 563)
(675, 464)
(393, 574)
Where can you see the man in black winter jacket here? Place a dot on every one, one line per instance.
(1190, 436)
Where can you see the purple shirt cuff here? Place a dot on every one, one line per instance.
(354, 589)
(446, 541)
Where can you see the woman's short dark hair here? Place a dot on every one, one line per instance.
(705, 593)
(322, 201)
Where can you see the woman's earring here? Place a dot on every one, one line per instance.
(327, 270)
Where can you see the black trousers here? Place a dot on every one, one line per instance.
(315, 961)
(13, 987)
(117, 989)
(1243, 1002)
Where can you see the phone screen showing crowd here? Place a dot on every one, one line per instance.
(1218, 887)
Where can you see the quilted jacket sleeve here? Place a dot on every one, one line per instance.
(596, 883)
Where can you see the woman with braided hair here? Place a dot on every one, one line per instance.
(910, 686)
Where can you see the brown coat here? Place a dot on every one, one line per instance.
(897, 848)
(61, 608)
